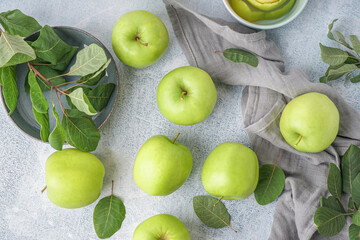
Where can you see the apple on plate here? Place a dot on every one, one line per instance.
(73, 178)
(230, 172)
(139, 38)
(161, 227)
(162, 166)
(186, 95)
(310, 122)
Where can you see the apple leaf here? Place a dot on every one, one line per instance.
(356, 218)
(88, 60)
(350, 167)
(108, 216)
(81, 102)
(356, 189)
(355, 79)
(80, 130)
(342, 39)
(271, 184)
(57, 136)
(211, 212)
(335, 73)
(354, 232)
(355, 43)
(240, 56)
(9, 87)
(93, 78)
(43, 120)
(1, 82)
(333, 203)
(333, 56)
(17, 23)
(352, 206)
(330, 27)
(334, 182)
(37, 98)
(329, 221)
(51, 49)
(14, 50)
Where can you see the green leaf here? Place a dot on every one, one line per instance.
(356, 218)
(1, 82)
(328, 221)
(9, 89)
(352, 206)
(14, 50)
(350, 167)
(99, 96)
(43, 120)
(334, 181)
(51, 49)
(17, 23)
(333, 56)
(333, 203)
(48, 72)
(89, 60)
(80, 130)
(356, 189)
(37, 98)
(342, 39)
(108, 216)
(323, 79)
(354, 232)
(330, 34)
(355, 43)
(215, 217)
(241, 56)
(57, 136)
(355, 79)
(93, 78)
(338, 72)
(81, 102)
(271, 184)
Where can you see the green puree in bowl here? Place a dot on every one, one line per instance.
(257, 10)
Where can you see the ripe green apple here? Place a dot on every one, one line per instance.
(186, 95)
(161, 227)
(162, 166)
(267, 5)
(139, 38)
(310, 122)
(231, 171)
(252, 14)
(74, 178)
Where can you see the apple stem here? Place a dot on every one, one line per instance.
(112, 187)
(219, 51)
(175, 138)
(299, 141)
(42, 191)
(218, 201)
(137, 38)
(232, 229)
(183, 93)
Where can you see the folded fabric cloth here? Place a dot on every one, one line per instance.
(268, 89)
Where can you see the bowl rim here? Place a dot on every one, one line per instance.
(260, 26)
(117, 79)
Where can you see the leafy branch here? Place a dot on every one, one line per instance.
(341, 62)
(330, 217)
(47, 58)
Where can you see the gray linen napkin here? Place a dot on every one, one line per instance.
(268, 89)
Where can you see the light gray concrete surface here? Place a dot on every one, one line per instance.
(26, 214)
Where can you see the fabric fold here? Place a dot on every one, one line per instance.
(268, 89)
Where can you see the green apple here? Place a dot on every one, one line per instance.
(231, 171)
(74, 178)
(162, 166)
(139, 38)
(310, 122)
(186, 95)
(161, 227)
(252, 14)
(267, 5)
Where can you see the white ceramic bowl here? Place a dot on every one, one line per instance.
(299, 5)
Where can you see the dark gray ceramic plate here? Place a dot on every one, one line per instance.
(23, 116)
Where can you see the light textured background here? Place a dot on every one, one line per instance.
(26, 214)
